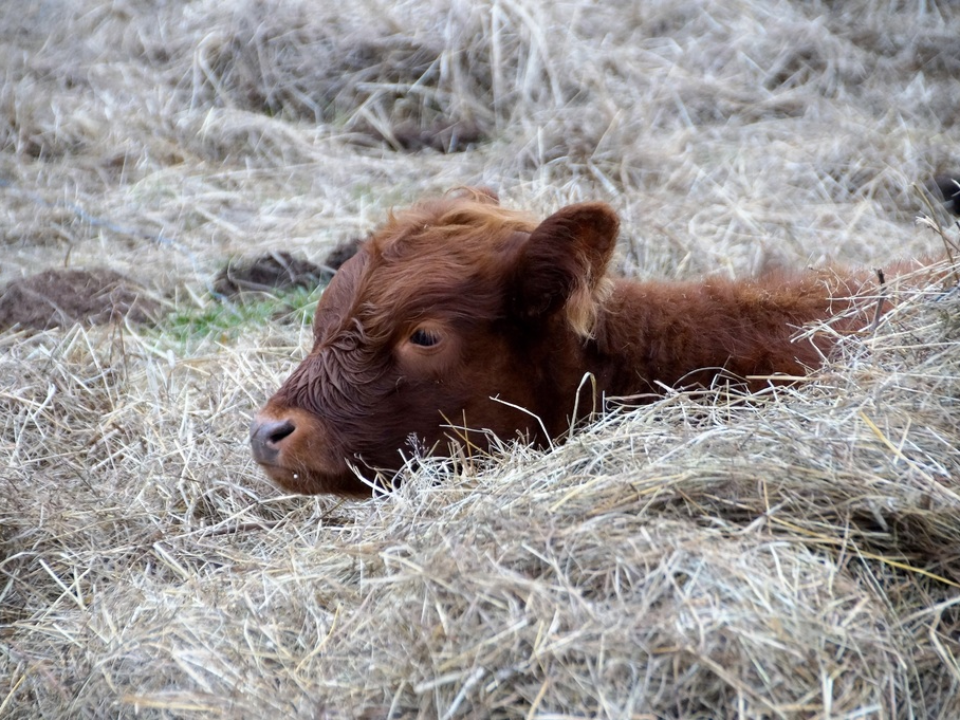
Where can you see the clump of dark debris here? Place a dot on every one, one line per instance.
(342, 252)
(280, 271)
(268, 272)
(97, 295)
(442, 136)
(61, 298)
(948, 188)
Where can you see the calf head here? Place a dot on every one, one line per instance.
(457, 314)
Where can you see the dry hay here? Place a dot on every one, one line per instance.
(700, 557)
(790, 556)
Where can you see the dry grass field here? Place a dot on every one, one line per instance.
(790, 555)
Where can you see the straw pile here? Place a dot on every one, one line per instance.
(789, 555)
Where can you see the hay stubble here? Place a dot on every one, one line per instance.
(790, 556)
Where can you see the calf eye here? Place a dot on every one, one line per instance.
(424, 338)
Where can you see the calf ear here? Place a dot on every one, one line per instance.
(563, 263)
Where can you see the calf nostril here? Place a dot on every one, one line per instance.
(275, 432)
(265, 438)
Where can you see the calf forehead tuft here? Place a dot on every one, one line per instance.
(468, 229)
(439, 258)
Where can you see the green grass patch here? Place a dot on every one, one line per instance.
(223, 321)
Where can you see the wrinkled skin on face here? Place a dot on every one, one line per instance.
(435, 334)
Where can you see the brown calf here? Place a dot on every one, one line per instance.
(461, 314)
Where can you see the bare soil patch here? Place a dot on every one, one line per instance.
(342, 252)
(281, 271)
(273, 271)
(61, 298)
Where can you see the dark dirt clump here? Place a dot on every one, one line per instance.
(281, 271)
(948, 188)
(443, 136)
(341, 253)
(60, 298)
(269, 272)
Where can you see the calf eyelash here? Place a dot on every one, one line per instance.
(424, 338)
